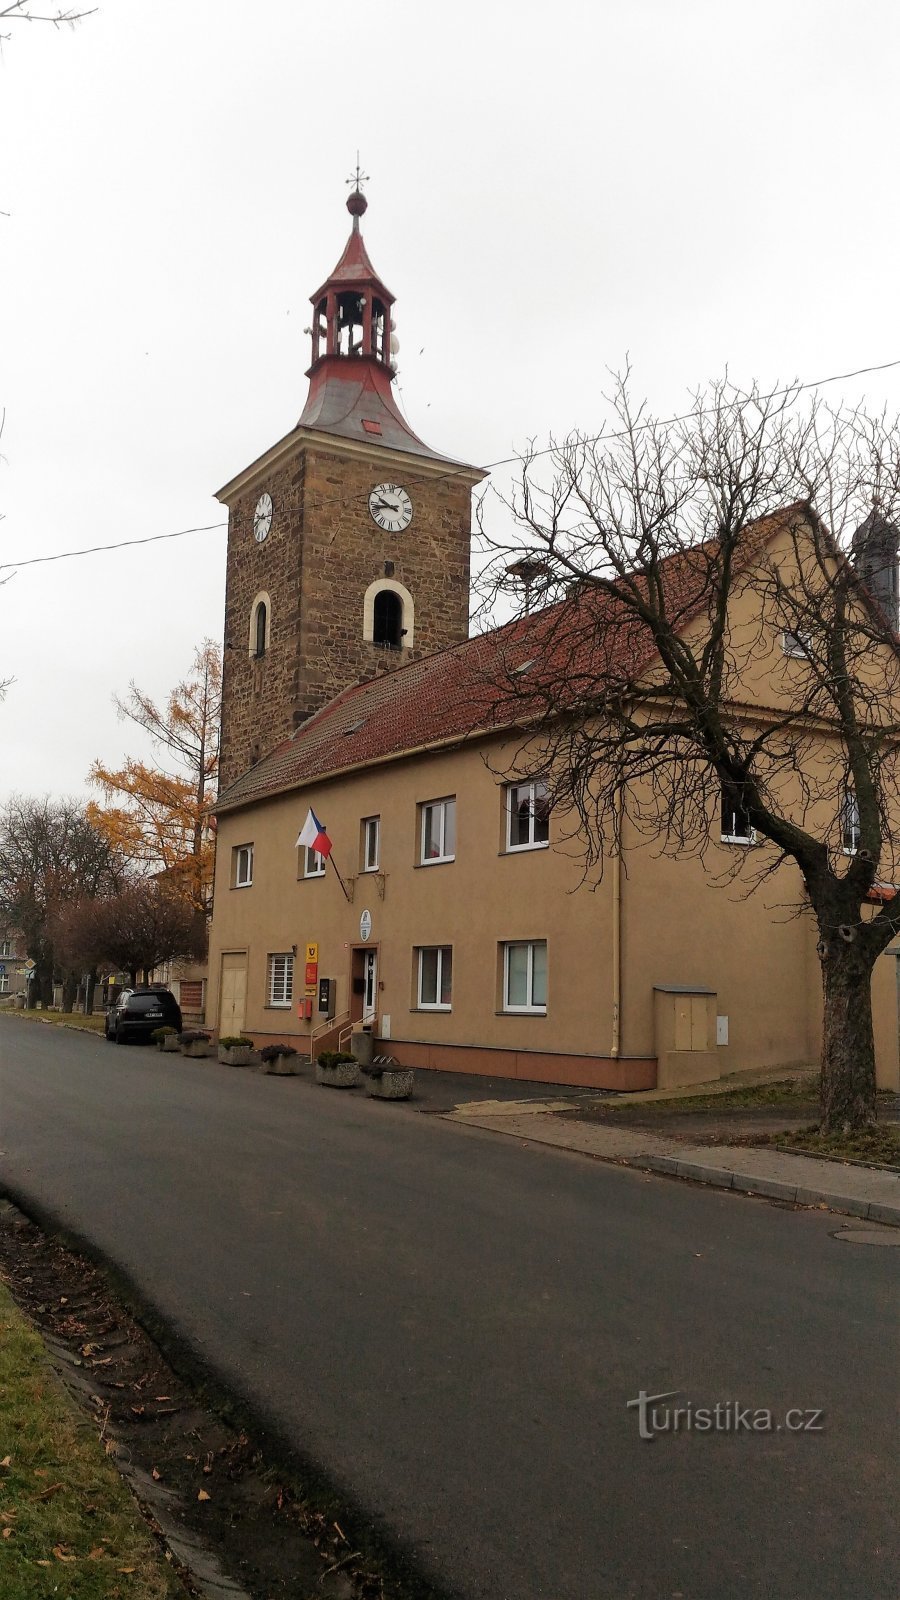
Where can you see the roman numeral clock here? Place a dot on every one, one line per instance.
(391, 507)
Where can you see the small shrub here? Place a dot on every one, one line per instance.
(236, 1041)
(334, 1058)
(270, 1052)
(159, 1034)
(193, 1036)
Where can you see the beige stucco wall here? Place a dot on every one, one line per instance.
(677, 928)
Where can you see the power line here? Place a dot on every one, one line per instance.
(452, 472)
(97, 549)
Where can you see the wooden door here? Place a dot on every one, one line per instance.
(232, 994)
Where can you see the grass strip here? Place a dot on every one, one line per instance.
(70, 1019)
(69, 1526)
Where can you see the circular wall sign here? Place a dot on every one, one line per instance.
(365, 925)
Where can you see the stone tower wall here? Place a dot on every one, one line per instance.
(321, 555)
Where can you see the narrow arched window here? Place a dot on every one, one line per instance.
(261, 617)
(388, 619)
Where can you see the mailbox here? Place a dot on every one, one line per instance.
(326, 989)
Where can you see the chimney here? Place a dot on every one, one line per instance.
(875, 550)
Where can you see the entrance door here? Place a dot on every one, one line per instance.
(232, 994)
(370, 992)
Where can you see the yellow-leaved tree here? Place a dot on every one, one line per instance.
(158, 815)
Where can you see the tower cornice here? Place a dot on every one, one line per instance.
(382, 457)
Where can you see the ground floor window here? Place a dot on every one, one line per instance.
(525, 975)
(4, 983)
(435, 985)
(281, 980)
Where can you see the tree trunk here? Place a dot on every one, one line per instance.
(70, 990)
(847, 1090)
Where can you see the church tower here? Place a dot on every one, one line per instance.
(348, 540)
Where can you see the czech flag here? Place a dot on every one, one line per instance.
(313, 835)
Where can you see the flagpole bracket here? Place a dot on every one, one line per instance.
(379, 884)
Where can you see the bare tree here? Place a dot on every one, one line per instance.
(136, 929)
(707, 635)
(50, 855)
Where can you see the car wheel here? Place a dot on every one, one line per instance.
(120, 1037)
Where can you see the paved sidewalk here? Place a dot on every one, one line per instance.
(856, 1190)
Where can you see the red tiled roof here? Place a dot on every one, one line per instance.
(495, 681)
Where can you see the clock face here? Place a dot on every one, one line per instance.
(262, 518)
(391, 507)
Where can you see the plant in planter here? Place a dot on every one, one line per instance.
(337, 1070)
(281, 1059)
(387, 1080)
(194, 1043)
(235, 1050)
(166, 1038)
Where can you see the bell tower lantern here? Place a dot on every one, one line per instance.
(348, 539)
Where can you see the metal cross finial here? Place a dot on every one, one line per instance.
(358, 177)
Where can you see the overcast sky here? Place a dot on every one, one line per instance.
(552, 187)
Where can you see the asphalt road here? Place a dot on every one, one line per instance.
(452, 1324)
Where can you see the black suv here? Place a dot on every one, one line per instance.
(137, 1012)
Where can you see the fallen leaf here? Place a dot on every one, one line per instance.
(155, 1474)
(94, 1555)
(43, 1563)
(162, 1397)
(126, 1569)
(64, 1299)
(46, 1493)
(39, 1472)
(7, 1533)
(203, 1495)
(60, 1553)
(6, 1462)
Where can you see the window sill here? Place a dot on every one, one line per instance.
(364, 872)
(243, 885)
(522, 1011)
(735, 838)
(429, 1010)
(278, 1005)
(436, 861)
(522, 849)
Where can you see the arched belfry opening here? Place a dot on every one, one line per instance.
(387, 623)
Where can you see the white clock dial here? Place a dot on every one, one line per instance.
(262, 518)
(391, 507)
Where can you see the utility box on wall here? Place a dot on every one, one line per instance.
(684, 1022)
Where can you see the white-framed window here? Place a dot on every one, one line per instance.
(313, 863)
(242, 866)
(438, 831)
(370, 844)
(527, 815)
(849, 823)
(280, 988)
(736, 827)
(435, 983)
(525, 976)
(4, 983)
(6, 948)
(795, 642)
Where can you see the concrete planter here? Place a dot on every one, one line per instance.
(168, 1045)
(392, 1084)
(282, 1066)
(343, 1076)
(236, 1055)
(197, 1050)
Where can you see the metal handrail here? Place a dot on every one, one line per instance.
(328, 1026)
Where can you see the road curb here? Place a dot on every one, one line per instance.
(768, 1188)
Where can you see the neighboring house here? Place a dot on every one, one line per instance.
(12, 962)
(461, 936)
